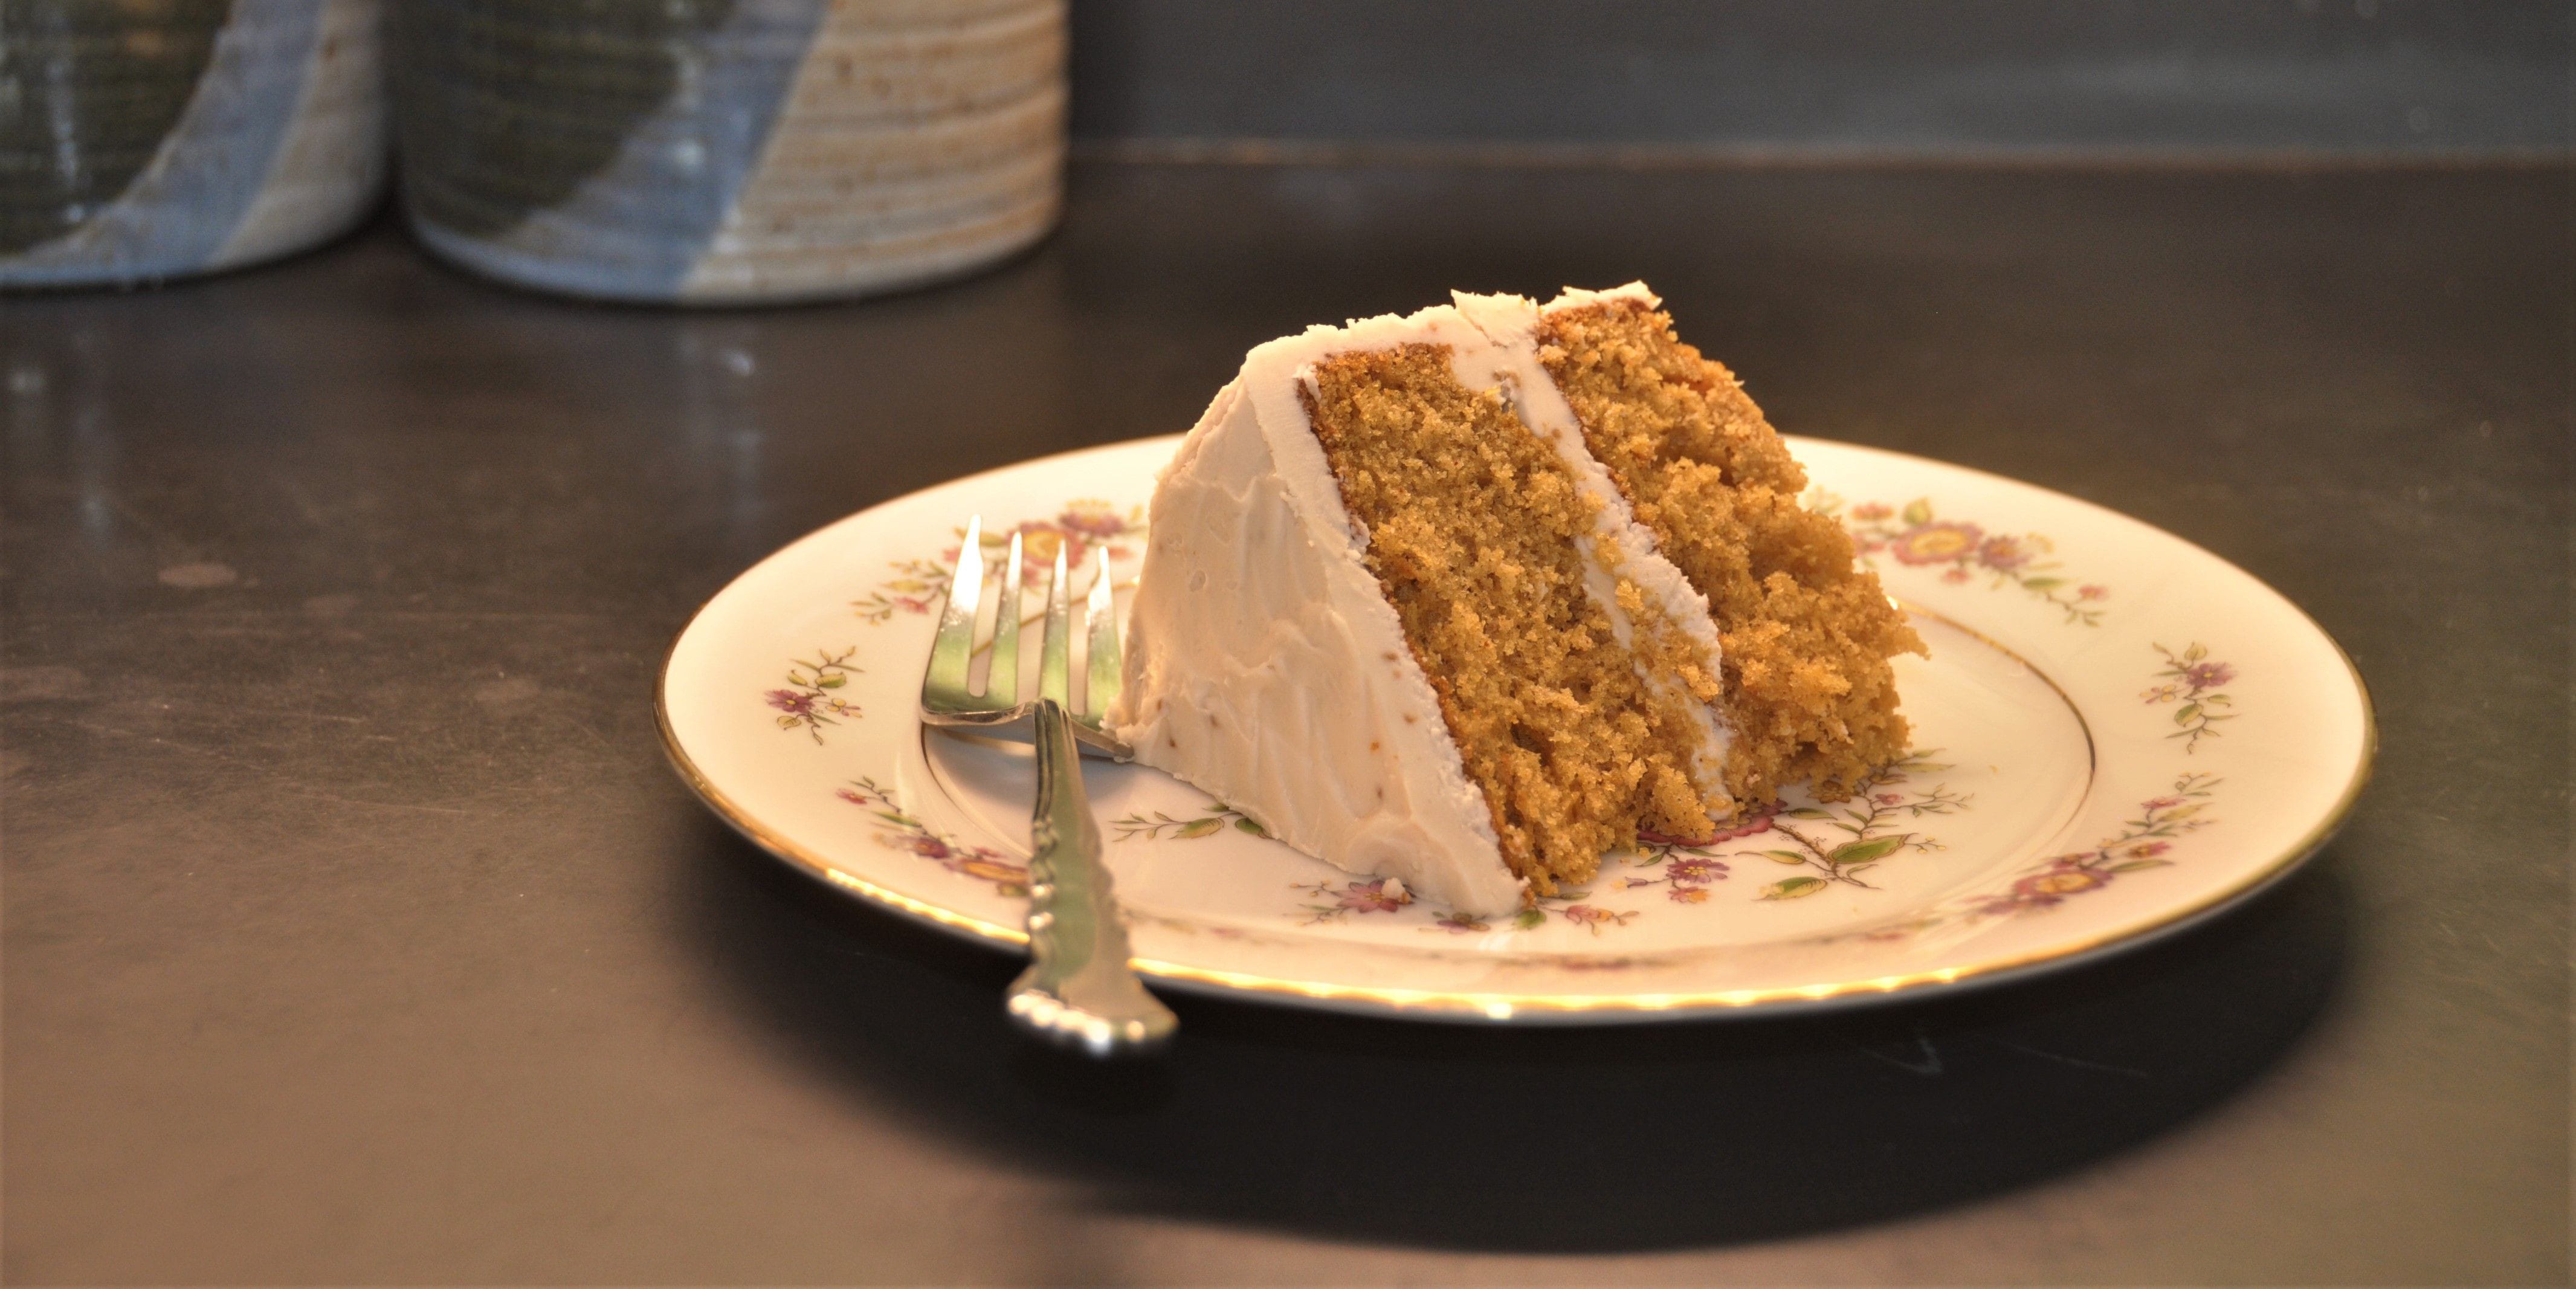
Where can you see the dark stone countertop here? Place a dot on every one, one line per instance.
(356, 931)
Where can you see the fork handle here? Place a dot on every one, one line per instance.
(1078, 990)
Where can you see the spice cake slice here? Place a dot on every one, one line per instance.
(1407, 603)
(1393, 611)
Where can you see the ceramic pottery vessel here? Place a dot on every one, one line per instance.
(730, 151)
(147, 139)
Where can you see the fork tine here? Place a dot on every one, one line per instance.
(1002, 678)
(1053, 661)
(954, 647)
(1101, 653)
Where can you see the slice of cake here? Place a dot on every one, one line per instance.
(1471, 597)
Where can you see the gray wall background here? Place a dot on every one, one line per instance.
(2187, 78)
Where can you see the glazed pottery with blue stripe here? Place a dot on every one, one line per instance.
(725, 151)
(149, 139)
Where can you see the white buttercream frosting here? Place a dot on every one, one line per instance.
(1574, 297)
(1263, 662)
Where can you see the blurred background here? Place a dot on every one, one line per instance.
(1837, 80)
(740, 151)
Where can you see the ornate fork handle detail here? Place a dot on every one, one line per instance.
(1077, 990)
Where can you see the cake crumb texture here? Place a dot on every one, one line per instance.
(1807, 634)
(1475, 531)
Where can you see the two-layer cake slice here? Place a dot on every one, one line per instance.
(1470, 598)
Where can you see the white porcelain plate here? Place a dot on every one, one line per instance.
(2116, 733)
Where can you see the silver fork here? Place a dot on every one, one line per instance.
(1078, 990)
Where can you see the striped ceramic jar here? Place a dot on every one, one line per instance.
(146, 139)
(727, 151)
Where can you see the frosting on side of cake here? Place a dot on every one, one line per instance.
(1265, 666)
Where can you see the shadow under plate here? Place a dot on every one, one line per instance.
(1533, 1140)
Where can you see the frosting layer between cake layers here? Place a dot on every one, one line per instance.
(1265, 666)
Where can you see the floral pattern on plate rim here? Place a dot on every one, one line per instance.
(1208, 821)
(1911, 535)
(1862, 821)
(897, 830)
(2140, 844)
(808, 702)
(2192, 679)
(1333, 901)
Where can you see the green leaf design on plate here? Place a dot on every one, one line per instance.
(1793, 888)
(1919, 511)
(1784, 857)
(1862, 852)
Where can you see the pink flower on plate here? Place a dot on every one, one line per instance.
(791, 702)
(2002, 554)
(1758, 822)
(2148, 850)
(1374, 897)
(1937, 543)
(2163, 803)
(2090, 591)
(2061, 882)
(1889, 798)
(2208, 675)
(1688, 895)
(1691, 870)
(1955, 576)
(1869, 511)
(1587, 915)
(1092, 523)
